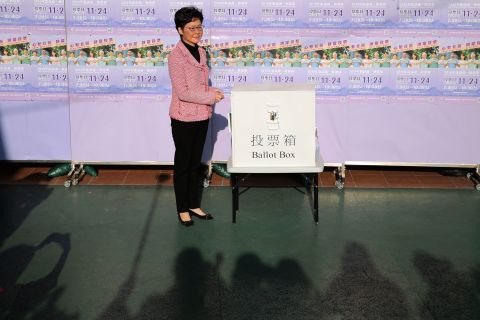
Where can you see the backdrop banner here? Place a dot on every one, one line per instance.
(395, 80)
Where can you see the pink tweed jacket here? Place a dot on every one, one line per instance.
(192, 98)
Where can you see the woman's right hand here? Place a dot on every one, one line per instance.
(219, 96)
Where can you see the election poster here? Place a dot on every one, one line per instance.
(169, 7)
(371, 63)
(414, 14)
(16, 78)
(282, 51)
(32, 12)
(233, 58)
(233, 13)
(460, 14)
(91, 59)
(142, 57)
(47, 57)
(326, 14)
(418, 62)
(119, 60)
(460, 63)
(373, 13)
(325, 60)
(139, 13)
(279, 13)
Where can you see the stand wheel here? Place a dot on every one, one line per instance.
(75, 181)
(339, 184)
(67, 184)
(477, 187)
(206, 183)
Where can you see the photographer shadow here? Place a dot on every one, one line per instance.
(39, 296)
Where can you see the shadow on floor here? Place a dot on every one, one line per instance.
(452, 294)
(256, 290)
(117, 309)
(259, 291)
(360, 291)
(17, 203)
(36, 299)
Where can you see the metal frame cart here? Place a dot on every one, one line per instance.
(240, 174)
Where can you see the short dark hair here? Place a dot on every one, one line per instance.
(186, 15)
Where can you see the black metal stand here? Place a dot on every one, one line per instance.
(236, 195)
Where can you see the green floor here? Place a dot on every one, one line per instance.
(93, 252)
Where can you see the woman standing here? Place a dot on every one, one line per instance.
(190, 111)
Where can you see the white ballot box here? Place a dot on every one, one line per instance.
(273, 126)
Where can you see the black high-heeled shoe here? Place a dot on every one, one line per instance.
(207, 216)
(186, 223)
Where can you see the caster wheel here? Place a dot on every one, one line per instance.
(477, 187)
(206, 183)
(67, 184)
(339, 184)
(74, 182)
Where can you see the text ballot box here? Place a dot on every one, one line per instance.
(273, 131)
(273, 128)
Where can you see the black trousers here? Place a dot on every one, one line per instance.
(189, 139)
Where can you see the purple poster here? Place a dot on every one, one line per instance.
(142, 57)
(139, 13)
(419, 14)
(278, 13)
(15, 12)
(169, 7)
(47, 12)
(373, 14)
(280, 51)
(48, 59)
(91, 59)
(321, 53)
(326, 14)
(460, 63)
(233, 58)
(371, 63)
(115, 13)
(32, 12)
(237, 13)
(92, 12)
(119, 61)
(16, 78)
(461, 14)
(417, 62)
